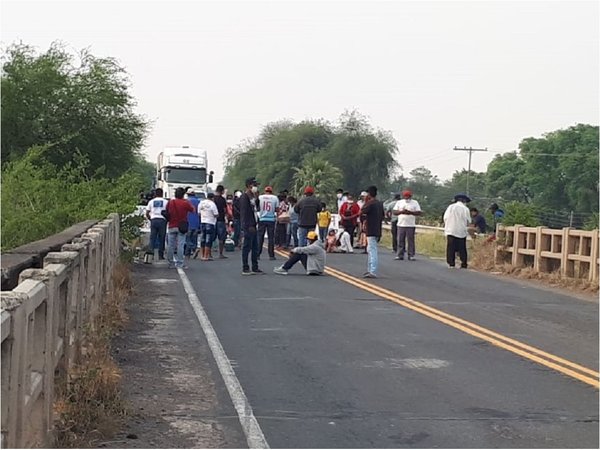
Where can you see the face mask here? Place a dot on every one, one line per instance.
(339, 196)
(350, 201)
(254, 189)
(229, 201)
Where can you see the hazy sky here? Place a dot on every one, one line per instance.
(436, 74)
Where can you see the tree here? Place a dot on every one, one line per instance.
(320, 174)
(81, 106)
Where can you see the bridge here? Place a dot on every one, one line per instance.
(423, 356)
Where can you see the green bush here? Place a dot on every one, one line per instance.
(521, 214)
(40, 199)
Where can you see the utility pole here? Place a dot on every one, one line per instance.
(470, 150)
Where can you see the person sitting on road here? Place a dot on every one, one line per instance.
(331, 242)
(312, 257)
(344, 241)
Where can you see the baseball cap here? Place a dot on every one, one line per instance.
(252, 181)
(312, 236)
(461, 196)
(190, 191)
(406, 193)
(309, 190)
(268, 189)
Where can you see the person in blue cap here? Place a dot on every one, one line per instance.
(456, 223)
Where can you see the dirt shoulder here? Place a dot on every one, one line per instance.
(171, 385)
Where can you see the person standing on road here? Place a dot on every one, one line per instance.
(209, 214)
(341, 199)
(311, 256)
(191, 241)
(267, 211)
(158, 224)
(221, 225)
(307, 209)
(248, 226)
(292, 237)
(349, 216)
(178, 210)
(283, 222)
(324, 219)
(236, 219)
(406, 211)
(456, 222)
(373, 214)
(389, 213)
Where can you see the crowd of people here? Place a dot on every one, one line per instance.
(191, 227)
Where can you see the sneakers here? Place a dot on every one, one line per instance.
(411, 258)
(272, 258)
(399, 258)
(280, 271)
(246, 272)
(369, 275)
(258, 272)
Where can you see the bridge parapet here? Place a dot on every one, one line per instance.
(42, 323)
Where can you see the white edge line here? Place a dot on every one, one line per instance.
(250, 426)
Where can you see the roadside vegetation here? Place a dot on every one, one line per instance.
(71, 142)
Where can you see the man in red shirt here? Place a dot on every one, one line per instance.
(349, 213)
(177, 228)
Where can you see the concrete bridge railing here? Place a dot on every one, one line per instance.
(42, 323)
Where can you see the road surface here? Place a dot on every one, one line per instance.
(423, 357)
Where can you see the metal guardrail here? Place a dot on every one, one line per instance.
(42, 323)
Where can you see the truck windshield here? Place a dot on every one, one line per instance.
(188, 176)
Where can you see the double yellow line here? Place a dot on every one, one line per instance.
(557, 363)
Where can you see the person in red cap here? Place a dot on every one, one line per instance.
(307, 209)
(267, 213)
(407, 210)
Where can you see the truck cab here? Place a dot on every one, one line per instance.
(183, 167)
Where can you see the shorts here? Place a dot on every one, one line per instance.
(221, 231)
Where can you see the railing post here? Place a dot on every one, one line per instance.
(517, 259)
(593, 275)
(538, 265)
(567, 267)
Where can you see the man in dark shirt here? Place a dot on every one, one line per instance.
(248, 202)
(373, 214)
(236, 218)
(307, 209)
(221, 227)
(478, 221)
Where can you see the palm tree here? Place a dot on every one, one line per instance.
(320, 174)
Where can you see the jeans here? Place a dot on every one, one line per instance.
(236, 231)
(191, 241)
(323, 233)
(269, 227)
(372, 260)
(292, 234)
(175, 239)
(250, 246)
(453, 245)
(302, 232)
(221, 231)
(293, 259)
(208, 235)
(158, 231)
(406, 234)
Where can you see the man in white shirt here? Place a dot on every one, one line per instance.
(456, 222)
(406, 210)
(207, 209)
(158, 222)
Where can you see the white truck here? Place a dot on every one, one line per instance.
(185, 167)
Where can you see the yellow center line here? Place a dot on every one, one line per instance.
(499, 340)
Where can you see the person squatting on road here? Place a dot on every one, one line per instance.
(456, 222)
(267, 210)
(307, 209)
(158, 224)
(406, 210)
(178, 210)
(248, 225)
(373, 214)
(312, 257)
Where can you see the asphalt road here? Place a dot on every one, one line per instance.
(326, 363)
